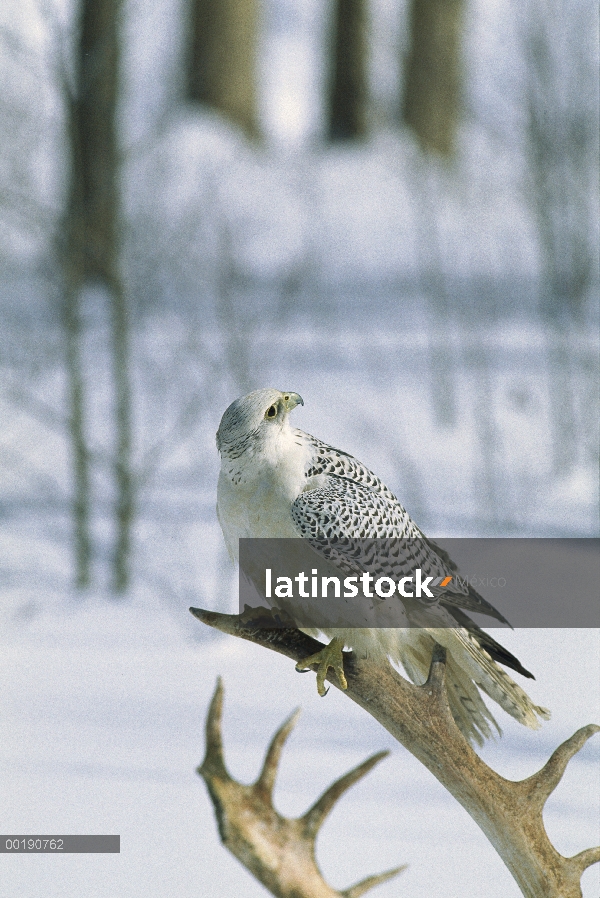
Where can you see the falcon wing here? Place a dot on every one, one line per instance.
(343, 518)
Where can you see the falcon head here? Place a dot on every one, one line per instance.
(254, 418)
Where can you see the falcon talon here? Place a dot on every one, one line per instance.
(330, 656)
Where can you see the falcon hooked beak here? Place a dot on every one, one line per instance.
(291, 400)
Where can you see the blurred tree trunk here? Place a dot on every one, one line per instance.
(91, 255)
(562, 141)
(432, 92)
(71, 314)
(222, 59)
(348, 92)
(561, 100)
(123, 421)
(431, 108)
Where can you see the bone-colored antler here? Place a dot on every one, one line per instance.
(278, 851)
(508, 812)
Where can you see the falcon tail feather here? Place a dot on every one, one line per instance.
(487, 642)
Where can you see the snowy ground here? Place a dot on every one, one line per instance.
(103, 707)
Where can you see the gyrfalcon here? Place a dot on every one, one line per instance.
(279, 482)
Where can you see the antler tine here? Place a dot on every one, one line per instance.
(214, 761)
(585, 859)
(266, 780)
(542, 784)
(370, 882)
(437, 669)
(315, 816)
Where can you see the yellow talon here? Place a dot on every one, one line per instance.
(329, 656)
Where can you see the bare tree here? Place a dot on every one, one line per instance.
(431, 107)
(419, 717)
(561, 119)
(91, 233)
(278, 851)
(348, 89)
(221, 70)
(432, 92)
(428, 187)
(562, 142)
(80, 455)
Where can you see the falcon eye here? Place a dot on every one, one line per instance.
(271, 412)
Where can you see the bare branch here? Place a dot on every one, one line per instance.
(278, 851)
(44, 413)
(315, 816)
(509, 813)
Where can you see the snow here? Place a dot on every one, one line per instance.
(103, 706)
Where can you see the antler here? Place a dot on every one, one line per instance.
(278, 851)
(419, 717)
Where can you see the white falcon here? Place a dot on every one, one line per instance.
(279, 482)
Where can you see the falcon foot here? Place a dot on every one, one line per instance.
(329, 656)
